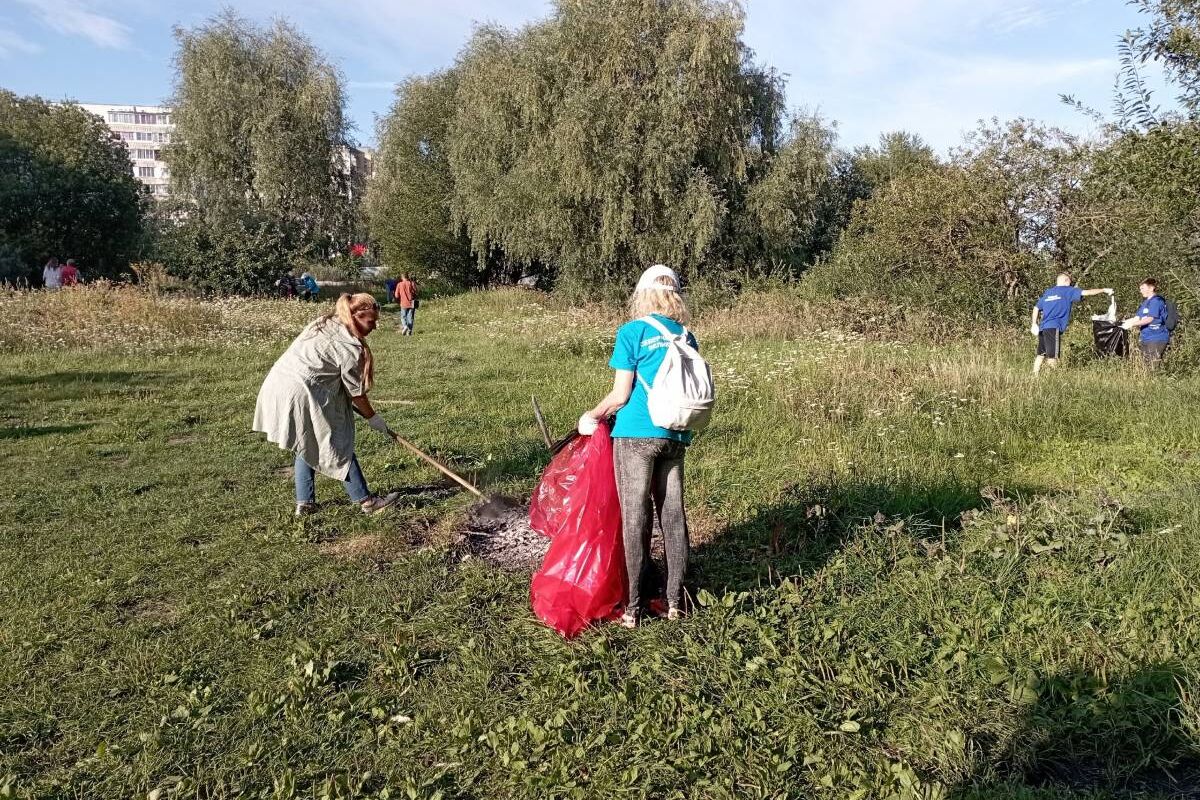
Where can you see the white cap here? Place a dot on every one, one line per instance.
(649, 279)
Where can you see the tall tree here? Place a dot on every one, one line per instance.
(609, 136)
(66, 189)
(969, 239)
(898, 155)
(786, 210)
(408, 201)
(259, 140)
(1172, 38)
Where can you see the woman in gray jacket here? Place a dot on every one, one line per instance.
(307, 402)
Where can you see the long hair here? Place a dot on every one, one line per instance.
(344, 309)
(666, 301)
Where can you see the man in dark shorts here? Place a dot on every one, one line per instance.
(1154, 334)
(1054, 308)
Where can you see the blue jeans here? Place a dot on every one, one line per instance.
(407, 316)
(306, 487)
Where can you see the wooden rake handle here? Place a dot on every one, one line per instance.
(434, 462)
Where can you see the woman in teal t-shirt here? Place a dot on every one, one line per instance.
(648, 459)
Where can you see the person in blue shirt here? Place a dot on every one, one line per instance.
(648, 460)
(1151, 321)
(1052, 314)
(308, 287)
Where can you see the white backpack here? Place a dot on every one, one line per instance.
(682, 396)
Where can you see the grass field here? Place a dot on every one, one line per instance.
(918, 572)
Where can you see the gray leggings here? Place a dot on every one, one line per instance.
(652, 469)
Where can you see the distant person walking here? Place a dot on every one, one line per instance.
(52, 274)
(70, 275)
(1153, 324)
(307, 401)
(648, 459)
(1054, 308)
(406, 296)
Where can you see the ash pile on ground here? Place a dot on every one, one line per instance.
(503, 538)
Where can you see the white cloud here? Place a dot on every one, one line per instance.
(1023, 16)
(74, 18)
(987, 73)
(934, 67)
(398, 37)
(950, 94)
(13, 44)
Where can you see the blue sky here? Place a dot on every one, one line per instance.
(933, 67)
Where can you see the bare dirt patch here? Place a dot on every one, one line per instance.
(154, 611)
(369, 545)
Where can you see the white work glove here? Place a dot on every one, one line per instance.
(377, 424)
(1108, 292)
(587, 425)
(1033, 329)
(1128, 323)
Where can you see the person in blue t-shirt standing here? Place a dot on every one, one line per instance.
(1054, 308)
(648, 459)
(1154, 337)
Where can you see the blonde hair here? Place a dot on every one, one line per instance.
(344, 309)
(666, 301)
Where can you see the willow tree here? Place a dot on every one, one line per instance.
(408, 201)
(257, 153)
(788, 209)
(614, 134)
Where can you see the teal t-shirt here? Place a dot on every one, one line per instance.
(640, 349)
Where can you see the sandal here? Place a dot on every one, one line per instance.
(304, 509)
(629, 619)
(674, 613)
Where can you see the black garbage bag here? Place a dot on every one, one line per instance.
(1110, 339)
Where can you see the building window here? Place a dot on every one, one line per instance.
(145, 172)
(126, 135)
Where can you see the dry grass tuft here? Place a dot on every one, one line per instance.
(121, 318)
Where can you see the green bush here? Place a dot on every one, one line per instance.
(942, 240)
(244, 256)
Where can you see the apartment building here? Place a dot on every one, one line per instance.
(145, 131)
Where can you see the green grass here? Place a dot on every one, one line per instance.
(919, 573)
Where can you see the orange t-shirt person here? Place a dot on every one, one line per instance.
(406, 292)
(406, 296)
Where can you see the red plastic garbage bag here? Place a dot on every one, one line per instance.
(582, 578)
(551, 508)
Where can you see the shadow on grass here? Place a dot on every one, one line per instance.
(1089, 736)
(68, 385)
(8, 434)
(798, 535)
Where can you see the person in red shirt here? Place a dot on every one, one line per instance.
(70, 275)
(406, 296)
